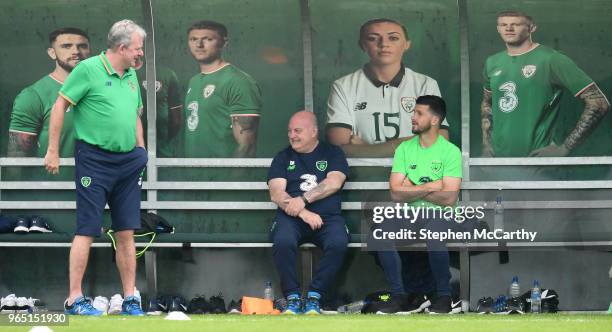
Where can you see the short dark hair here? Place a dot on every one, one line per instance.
(209, 25)
(64, 31)
(516, 13)
(436, 104)
(362, 30)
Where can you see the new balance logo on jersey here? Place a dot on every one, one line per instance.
(497, 72)
(360, 106)
(413, 166)
(109, 83)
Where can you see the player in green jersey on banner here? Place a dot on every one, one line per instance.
(222, 104)
(169, 107)
(29, 126)
(522, 90)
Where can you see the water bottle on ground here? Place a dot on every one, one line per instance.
(268, 291)
(515, 288)
(351, 308)
(536, 298)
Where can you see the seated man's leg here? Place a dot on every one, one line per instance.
(286, 234)
(333, 239)
(438, 257)
(392, 267)
(416, 273)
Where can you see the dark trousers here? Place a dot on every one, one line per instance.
(288, 233)
(417, 271)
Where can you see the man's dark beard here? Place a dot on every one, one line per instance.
(65, 65)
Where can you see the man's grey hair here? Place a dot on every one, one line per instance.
(122, 31)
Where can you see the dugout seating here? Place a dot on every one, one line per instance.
(259, 239)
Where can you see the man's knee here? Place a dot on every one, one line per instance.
(284, 242)
(336, 243)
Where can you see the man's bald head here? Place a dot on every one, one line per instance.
(303, 132)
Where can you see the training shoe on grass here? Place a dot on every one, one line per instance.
(177, 303)
(234, 307)
(101, 303)
(414, 303)
(294, 305)
(516, 305)
(198, 305)
(312, 306)
(153, 309)
(217, 304)
(131, 306)
(115, 305)
(82, 306)
(444, 305)
(485, 305)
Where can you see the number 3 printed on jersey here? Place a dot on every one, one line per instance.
(509, 101)
(310, 181)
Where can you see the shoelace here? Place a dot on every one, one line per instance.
(312, 303)
(84, 305)
(293, 303)
(132, 304)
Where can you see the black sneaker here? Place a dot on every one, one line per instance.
(39, 224)
(153, 309)
(485, 305)
(414, 303)
(235, 307)
(22, 225)
(163, 302)
(198, 305)
(217, 304)
(390, 305)
(515, 305)
(178, 303)
(444, 305)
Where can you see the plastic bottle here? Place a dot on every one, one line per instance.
(536, 298)
(498, 219)
(351, 308)
(515, 288)
(268, 291)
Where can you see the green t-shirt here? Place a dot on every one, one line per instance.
(526, 92)
(32, 112)
(167, 98)
(210, 102)
(105, 105)
(422, 165)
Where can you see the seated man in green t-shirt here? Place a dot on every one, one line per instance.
(426, 173)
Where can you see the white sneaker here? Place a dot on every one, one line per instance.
(101, 303)
(114, 308)
(8, 303)
(22, 305)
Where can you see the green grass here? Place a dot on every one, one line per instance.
(340, 323)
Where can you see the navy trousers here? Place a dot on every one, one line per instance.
(288, 233)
